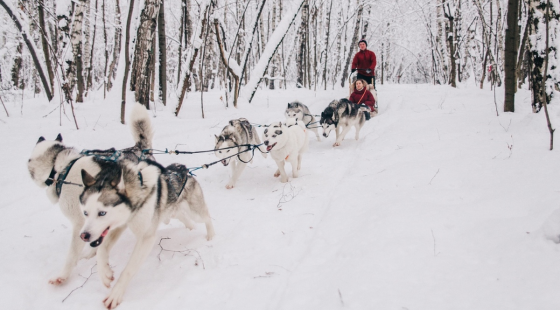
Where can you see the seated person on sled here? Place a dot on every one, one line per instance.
(362, 96)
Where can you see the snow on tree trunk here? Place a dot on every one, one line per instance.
(274, 41)
(75, 70)
(537, 48)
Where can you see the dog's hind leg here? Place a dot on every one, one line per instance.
(281, 172)
(103, 269)
(189, 224)
(358, 128)
(76, 247)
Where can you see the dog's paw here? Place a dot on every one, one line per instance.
(106, 275)
(230, 185)
(284, 180)
(114, 298)
(336, 144)
(276, 174)
(57, 280)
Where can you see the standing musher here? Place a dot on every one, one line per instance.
(365, 61)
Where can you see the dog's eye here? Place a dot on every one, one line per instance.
(220, 152)
(274, 136)
(101, 213)
(227, 151)
(85, 213)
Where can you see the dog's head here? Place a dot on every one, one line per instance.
(225, 146)
(328, 120)
(42, 159)
(104, 203)
(294, 111)
(274, 136)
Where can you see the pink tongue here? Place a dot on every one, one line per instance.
(105, 232)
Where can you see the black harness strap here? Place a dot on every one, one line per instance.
(62, 176)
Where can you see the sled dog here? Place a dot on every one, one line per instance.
(340, 116)
(138, 196)
(57, 167)
(301, 112)
(233, 139)
(286, 143)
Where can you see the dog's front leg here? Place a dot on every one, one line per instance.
(281, 172)
(103, 268)
(294, 160)
(316, 131)
(141, 250)
(342, 135)
(76, 247)
(235, 173)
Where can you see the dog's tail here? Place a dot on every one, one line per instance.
(141, 127)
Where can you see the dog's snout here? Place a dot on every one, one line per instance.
(324, 135)
(85, 236)
(266, 142)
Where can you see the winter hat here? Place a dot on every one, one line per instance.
(362, 40)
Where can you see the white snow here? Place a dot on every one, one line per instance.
(440, 205)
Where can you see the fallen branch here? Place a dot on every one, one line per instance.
(433, 177)
(186, 252)
(81, 286)
(287, 197)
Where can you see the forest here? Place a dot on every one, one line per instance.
(164, 50)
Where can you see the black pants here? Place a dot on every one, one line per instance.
(369, 79)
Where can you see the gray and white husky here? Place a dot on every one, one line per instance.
(286, 143)
(234, 138)
(140, 197)
(340, 116)
(57, 167)
(301, 112)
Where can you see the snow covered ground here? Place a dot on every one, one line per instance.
(439, 205)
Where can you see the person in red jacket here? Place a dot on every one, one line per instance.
(362, 96)
(365, 61)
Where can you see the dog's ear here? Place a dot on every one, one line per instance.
(288, 105)
(59, 138)
(41, 139)
(217, 138)
(87, 179)
(279, 124)
(117, 179)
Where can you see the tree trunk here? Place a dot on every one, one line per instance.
(45, 43)
(327, 46)
(353, 44)
(126, 58)
(89, 81)
(117, 48)
(75, 70)
(162, 55)
(32, 50)
(141, 75)
(510, 59)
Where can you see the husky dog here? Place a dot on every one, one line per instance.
(56, 167)
(301, 112)
(340, 116)
(286, 143)
(234, 139)
(138, 196)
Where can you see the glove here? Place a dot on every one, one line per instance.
(353, 70)
(368, 71)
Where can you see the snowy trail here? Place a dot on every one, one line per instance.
(438, 206)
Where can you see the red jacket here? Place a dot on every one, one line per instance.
(364, 60)
(366, 98)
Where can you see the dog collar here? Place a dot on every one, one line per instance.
(50, 180)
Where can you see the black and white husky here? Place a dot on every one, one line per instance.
(301, 112)
(340, 116)
(140, 197)
(234, 138)
(57, 167)
(286, 143)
